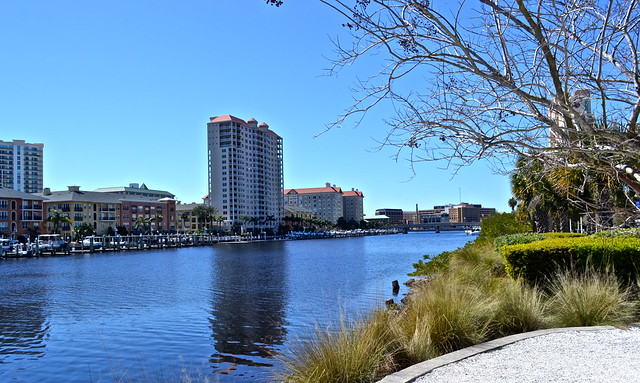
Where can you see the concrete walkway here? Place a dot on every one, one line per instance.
(501, 364)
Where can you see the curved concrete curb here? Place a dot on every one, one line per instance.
(410, 374)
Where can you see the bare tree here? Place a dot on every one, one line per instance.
(499, 79)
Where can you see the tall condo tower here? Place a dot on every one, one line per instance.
(246, 176)
(21, 166)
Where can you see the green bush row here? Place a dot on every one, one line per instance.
(618, 233)
(535, 262)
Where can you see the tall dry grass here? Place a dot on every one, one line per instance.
(442, 317)
(359, 352)
(590, 298)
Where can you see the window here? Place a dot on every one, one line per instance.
(4, 204)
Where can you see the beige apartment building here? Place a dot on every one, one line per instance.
(327, 203)
(353, 205)
(245, 167)
(107, 210)
(21, 166)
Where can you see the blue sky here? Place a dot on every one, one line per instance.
(121, 91)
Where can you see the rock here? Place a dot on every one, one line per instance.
(396, 287)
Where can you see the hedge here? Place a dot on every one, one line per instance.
(537, 262)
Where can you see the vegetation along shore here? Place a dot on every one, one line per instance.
(509, 280)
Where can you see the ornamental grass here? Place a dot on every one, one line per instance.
(358, 352)
(590, 298)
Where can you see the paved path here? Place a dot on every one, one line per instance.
(584, 354)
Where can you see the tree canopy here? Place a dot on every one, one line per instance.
(502, 80)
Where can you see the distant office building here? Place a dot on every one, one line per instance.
(580, 102)
(246, 175)
(137, 190)
(21, 166)
(396, 216)
(20, 213)
(463, 212)
(353, 205)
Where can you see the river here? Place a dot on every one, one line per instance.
(221, 313)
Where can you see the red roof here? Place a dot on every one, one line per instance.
(225, 118)
(326, 189)
(351, 193)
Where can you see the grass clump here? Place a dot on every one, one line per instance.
(590, 298)
(519, 308)
(440, 318)
(360, 352)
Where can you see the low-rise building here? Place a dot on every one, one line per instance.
(103, 210)
(20, 213)
(188, 222)
(396, 216)
(135, 189)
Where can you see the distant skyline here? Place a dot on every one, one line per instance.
(121, 93)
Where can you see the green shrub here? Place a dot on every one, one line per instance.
(590, 298)
(516, 239)
(537, 262)
(618, 233)
(563, 235)
(501, 224)
(430, 264)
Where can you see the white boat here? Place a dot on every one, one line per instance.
(96, 241)
(472, 231)
(51, 242)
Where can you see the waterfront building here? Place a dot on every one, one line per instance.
(353, 205)
(396, 216)
(20, 213)
(188, 222)
(135, 189)
(326, 202)
(297, 212)
(245, 170)
(21, 166)
(104, 210)
(460, 213)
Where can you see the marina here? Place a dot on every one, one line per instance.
(54, 244)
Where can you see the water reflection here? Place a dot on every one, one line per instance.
(249, 296)
(23, 323)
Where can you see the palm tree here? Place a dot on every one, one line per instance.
(157, 218)
(204, 213)
(244, 220)
(57, 218)
(143, 224)
(184, 216)
(269, 219)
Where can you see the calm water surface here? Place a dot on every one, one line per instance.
(221, 313)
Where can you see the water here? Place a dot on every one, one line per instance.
(221, 313)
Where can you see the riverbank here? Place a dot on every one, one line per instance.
(468, 300)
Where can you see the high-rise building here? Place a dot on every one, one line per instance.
(246, 176)
(21, 166)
